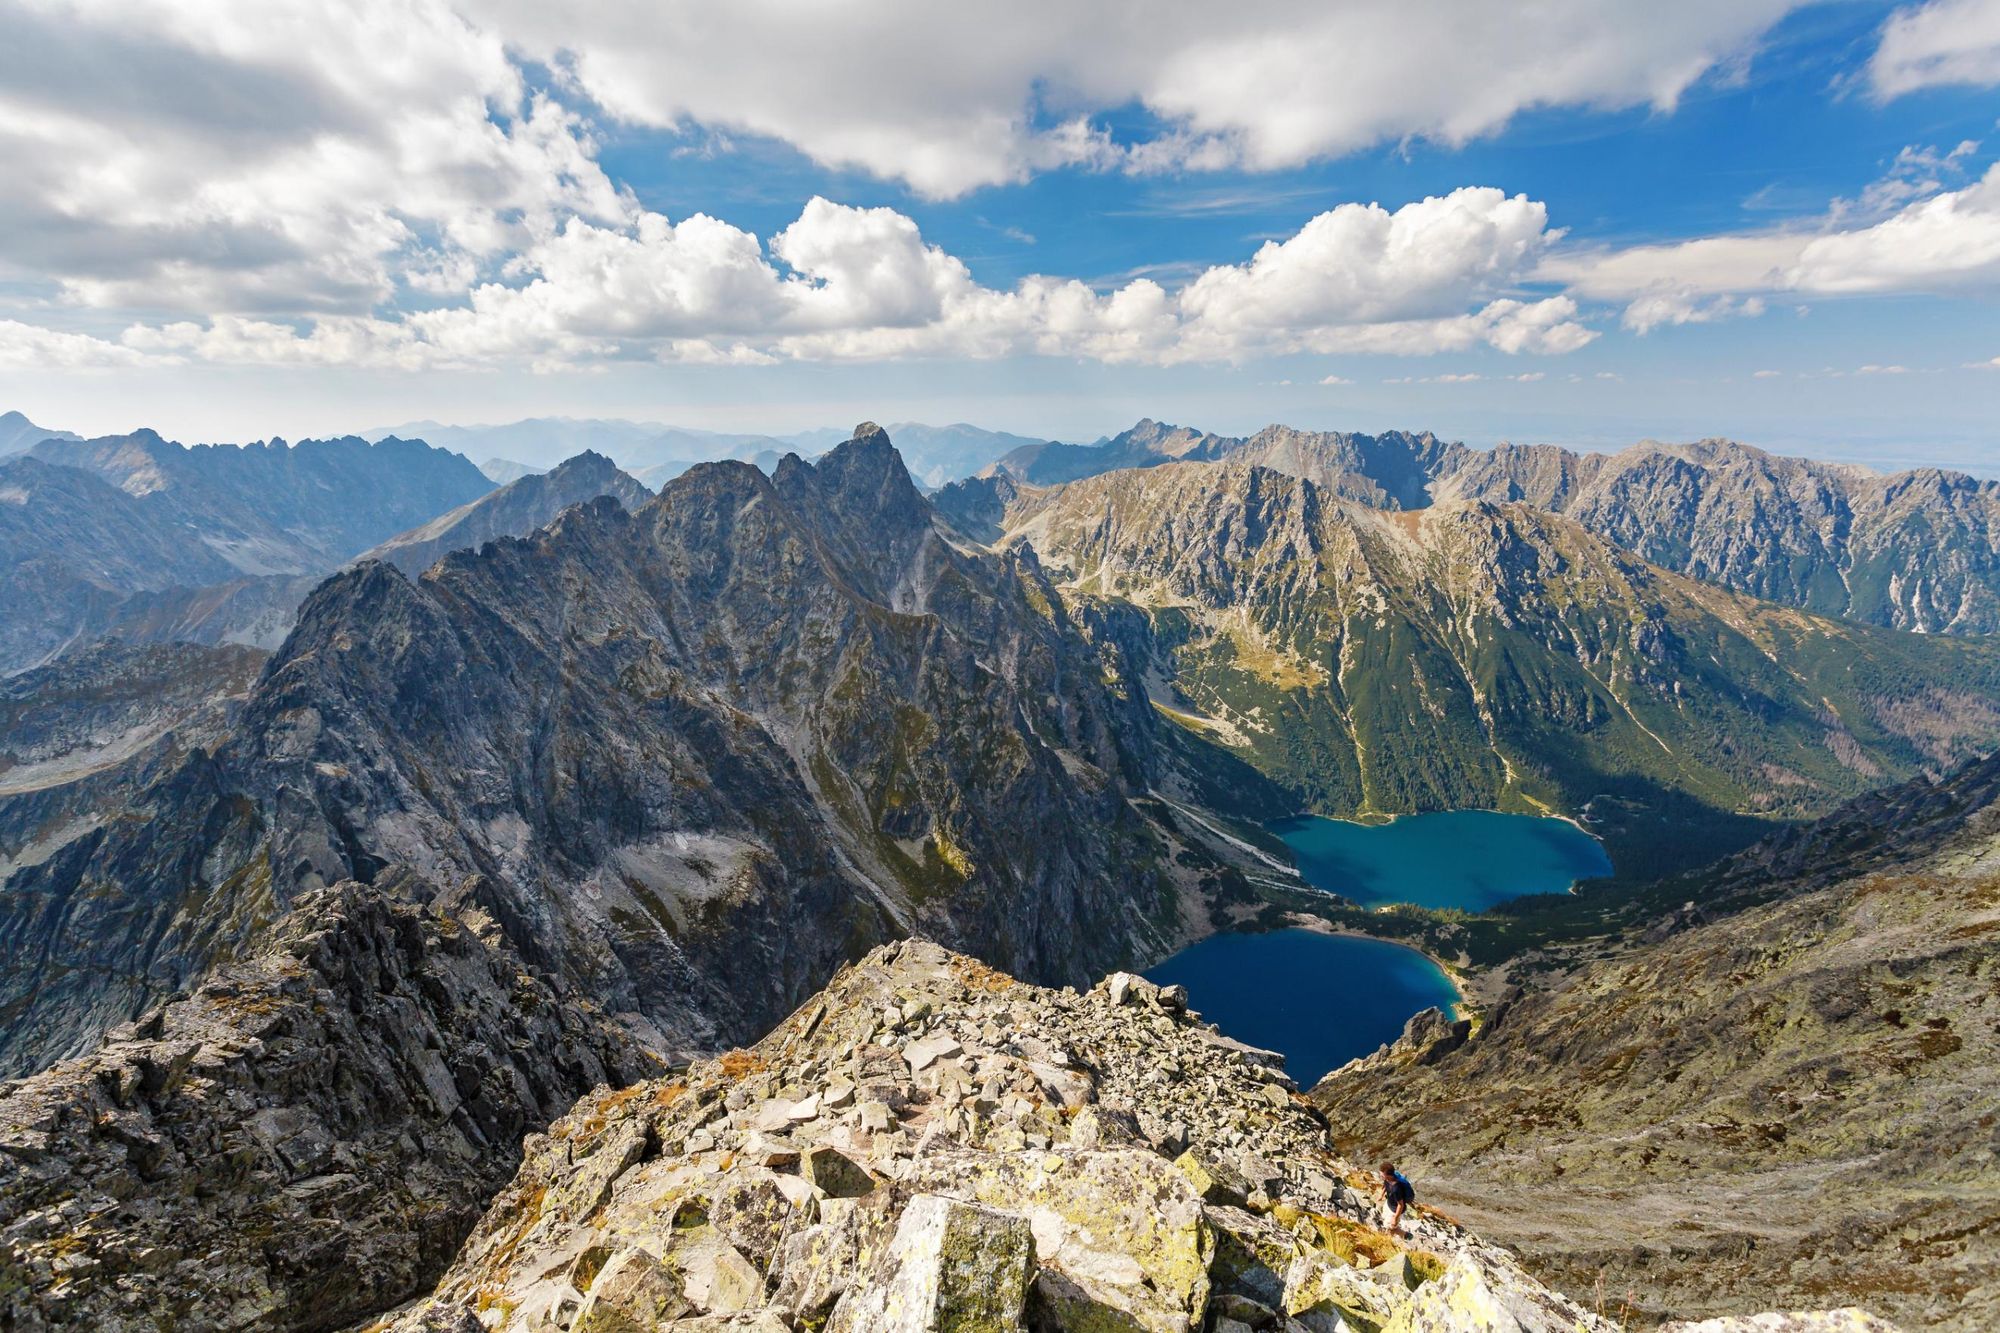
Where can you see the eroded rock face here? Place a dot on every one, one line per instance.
(299, 1143)
(1009, 1164)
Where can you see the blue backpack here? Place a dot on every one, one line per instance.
(1401, 1191)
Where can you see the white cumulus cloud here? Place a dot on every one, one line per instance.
(843, 283)
(1943, 42)
(949, 98)
(31, 347)
(1949, 241)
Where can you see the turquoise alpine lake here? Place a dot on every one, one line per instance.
(1472, 859)
(1321, 1000)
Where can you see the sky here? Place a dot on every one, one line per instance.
(1585, 222)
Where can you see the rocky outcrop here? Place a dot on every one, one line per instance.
(518, 508)
(1787, 1103)
(300, 1142)
(930, 1144)
(696, 756)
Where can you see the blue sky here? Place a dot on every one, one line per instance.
(1767, 220)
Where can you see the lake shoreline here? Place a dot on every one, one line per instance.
(1319, 996)
(1319, 925)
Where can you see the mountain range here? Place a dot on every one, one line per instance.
(656, 453)
(139, 539)
(689, 757)
(565, 783)
(212, 534)
(516, 509)
(1915, 550)
(18, 434)
(1482, 654)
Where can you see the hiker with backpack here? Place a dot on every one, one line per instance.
(1397, 1194)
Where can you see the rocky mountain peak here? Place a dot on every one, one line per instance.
(932, 1144)
(862, 498)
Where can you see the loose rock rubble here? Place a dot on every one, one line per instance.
(932, 1145)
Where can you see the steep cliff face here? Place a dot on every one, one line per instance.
(299, 1143)
(1793, 1101)
(1480, 654)
(695, 756)
(515, 510)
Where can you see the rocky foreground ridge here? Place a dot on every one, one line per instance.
(300, 1142)
(931, 1145)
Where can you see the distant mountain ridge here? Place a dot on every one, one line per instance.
(277, 508)
(206, 542)
(515, 510)
(18, 434)
(1917, 550)
(655, 452)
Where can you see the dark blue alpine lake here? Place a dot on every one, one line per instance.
(1325, 999)
(1320, 999)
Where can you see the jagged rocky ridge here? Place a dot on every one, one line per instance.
(515, 510)
(931, 1145)
(693, 758)
(1489, 654)
(138, 537)
(1789, 1101)
(301, 1141)
(1917, 550)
